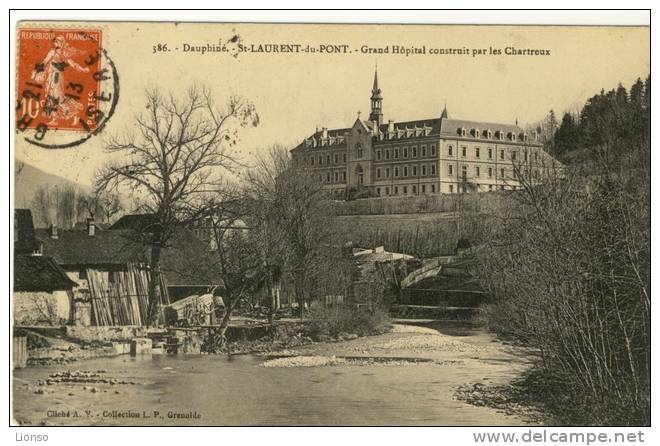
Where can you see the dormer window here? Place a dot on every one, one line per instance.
(463, 131)
(489, 134)
(500, 135)
(513, 136)
(476, 133)
(525, 137)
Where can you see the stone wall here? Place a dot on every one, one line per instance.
(42, 308)
(106, 333)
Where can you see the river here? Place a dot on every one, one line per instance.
(240, 390)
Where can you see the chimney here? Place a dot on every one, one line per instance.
(53, 231)
(390, 126)
(325, 133)
(91, 228)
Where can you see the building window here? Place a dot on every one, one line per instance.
(432, 169)
(378, 190)
(513, 155)
(463, 132)
(336, 158)
(450, 151)
(327, 177)
(414, 151)
(344, 157)
(490, 187)
(502, 173)
(387, 191)
(396, 153)
(405, 152)
(358, 149)
(450, 169)
(343, 176)
(414, 171)
(405, 171)
(463, 151)
(432, 188)
(432, 149)
(423, 151)
(536, 156)
(490, 153)
(451, 188)
(414, 189)
(396, 171)
(477, 152)
(336, 177)
(424, 170)
(464, 172)
(320, 160)
(378, 155)
(327, 159)
(502, 154)
(489, 134)
(377, 173)
(525, 155)
(387, 172)
(478, 170)
(423, 188)
(405, 190)
(396, 190)
(490, 172)
(387, 154)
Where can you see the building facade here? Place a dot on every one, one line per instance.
(428, 156)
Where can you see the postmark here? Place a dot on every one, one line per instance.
(67, 86)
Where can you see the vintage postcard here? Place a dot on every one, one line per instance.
(220, 224)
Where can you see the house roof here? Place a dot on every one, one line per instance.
(442, 126)
(183, 261)
(38, 273)
(137, 222)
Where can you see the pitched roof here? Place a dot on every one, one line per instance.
(137, 222)
(38, 273)
(183, 262)
(442, 126)
(104, 247)
(453, 126)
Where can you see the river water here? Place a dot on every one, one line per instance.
(238, 390)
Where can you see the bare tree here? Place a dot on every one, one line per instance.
(299, 208)
(237, 258)
(41, 204)
(173, 158)
(66, 206)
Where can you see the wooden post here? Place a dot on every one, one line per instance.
(20, 352)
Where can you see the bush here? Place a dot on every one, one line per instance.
(346, 319)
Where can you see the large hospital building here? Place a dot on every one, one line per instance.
(428, 156)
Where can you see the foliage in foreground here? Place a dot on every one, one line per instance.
(568, 266)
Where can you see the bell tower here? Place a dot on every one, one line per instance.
(376, 102)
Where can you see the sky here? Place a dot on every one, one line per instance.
(294, 93)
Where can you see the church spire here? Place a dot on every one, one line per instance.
(376, 101)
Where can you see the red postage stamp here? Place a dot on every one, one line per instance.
(59, 80)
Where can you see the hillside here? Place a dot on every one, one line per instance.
(29, 180)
